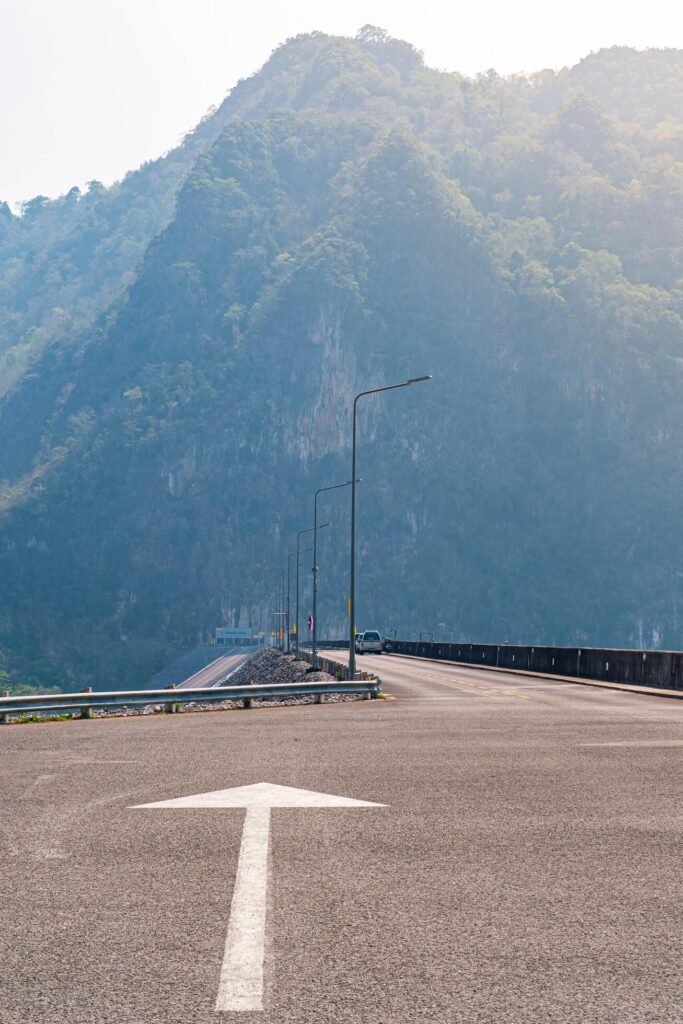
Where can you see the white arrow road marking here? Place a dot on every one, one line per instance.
(241, 981)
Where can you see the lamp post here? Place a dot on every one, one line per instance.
(275, 619)
(333, 487)
(352, 575)
(289, 566)
(278, 614)
(298, 552)
(278, 618)
(289, 569)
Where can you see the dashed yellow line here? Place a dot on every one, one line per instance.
(473, 686)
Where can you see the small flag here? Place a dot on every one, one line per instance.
(310, 621)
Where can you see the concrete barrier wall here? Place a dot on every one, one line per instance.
(635, 668)
(323, 645)
(335, 668)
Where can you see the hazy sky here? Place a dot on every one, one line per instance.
(92, 88)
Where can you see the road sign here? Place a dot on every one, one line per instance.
(241, 982)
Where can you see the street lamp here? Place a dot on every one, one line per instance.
(352, 580)
(298, 540)
(289, 557)
(289, 570)
(278, 615)
(282, 605)
(333, 487)
(279, 612)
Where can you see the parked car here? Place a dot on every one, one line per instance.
(369, 642)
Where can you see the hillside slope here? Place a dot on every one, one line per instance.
(359, 219)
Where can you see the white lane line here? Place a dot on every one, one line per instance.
(36, 784)
(635, 743)
(185, 683)
(241, 982)
(240, 664)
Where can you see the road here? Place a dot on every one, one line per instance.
(525, 866)
(214, 673)
(401, 674)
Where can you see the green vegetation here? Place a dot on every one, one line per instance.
(178, 355)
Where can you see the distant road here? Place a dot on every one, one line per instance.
(524, 867)
(214, 673)
(424, 679)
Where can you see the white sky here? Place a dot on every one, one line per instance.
(92, 88)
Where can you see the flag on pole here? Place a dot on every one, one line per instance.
(310, 621)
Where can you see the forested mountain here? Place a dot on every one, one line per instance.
(181, 352)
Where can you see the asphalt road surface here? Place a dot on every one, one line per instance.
(526, 866)
(215, 672)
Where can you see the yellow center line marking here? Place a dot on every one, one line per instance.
(475, 686)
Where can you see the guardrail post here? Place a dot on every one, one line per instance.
(4, 717)
(86, 712)
(172, 709)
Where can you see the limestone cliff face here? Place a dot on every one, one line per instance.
(322, 429)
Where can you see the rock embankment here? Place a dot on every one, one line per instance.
(270, 666)
(267, 667)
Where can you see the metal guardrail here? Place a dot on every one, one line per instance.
(85, 701)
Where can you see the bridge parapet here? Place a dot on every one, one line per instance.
(658, 669)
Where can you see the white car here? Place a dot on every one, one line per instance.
(369, 642)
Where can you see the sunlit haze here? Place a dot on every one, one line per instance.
(91, 89)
